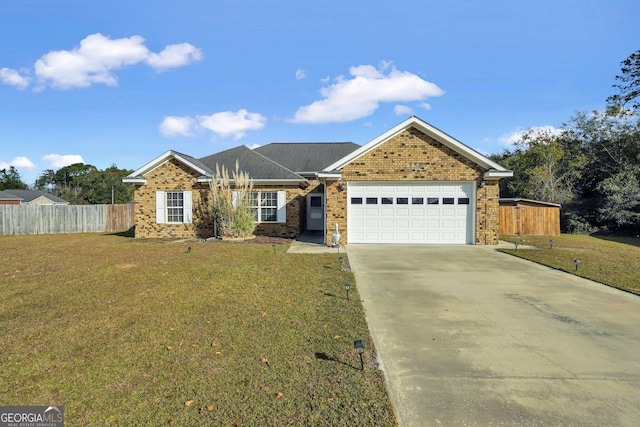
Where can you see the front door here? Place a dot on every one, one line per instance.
(315, 211)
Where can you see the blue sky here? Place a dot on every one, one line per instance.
(121, 82)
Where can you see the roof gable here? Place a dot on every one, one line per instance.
(137, 176)
(306, 157)
(433, 132)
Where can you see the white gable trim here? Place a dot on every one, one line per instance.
(137, 177)
(426, 128)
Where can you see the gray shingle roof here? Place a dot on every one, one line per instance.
(30, 195)
(253, 163)
(5, 195)
(306, 156)
(197, 162)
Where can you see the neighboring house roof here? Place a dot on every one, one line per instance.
(29, 196)
(257, 166)
(4, 195)
(306, 157)
(494, 170)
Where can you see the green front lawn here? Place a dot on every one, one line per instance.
(613, 261)
(128, 332)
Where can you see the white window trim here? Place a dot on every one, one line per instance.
(281, 206)
(162, 216)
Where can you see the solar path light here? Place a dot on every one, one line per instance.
(359, 346)
(551, 242)
(577, 263)
(347, 285)
(340, 261)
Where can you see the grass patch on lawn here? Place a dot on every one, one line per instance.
(609, 260)
(129, 332)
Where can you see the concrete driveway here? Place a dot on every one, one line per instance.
(469, 336)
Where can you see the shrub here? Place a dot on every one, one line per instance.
(231, 208)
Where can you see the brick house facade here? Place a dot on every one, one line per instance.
(412, 153)
(414, 156)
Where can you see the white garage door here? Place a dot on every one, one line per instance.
(435, 212)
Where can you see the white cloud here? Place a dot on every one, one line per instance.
(23, 163)
(13, 78)
(301, 74)
(516, 136)
(358, 97)
(57, 161)
(174, 55)
(98, 56)
(177, 126)
(19, 162)
(223, 124)
(402, 110)
(229, 123)
(254, 146)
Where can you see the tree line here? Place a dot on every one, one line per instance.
(79, 184)
(591, 165)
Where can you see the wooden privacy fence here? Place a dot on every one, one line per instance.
(529, 217)
(51, 219)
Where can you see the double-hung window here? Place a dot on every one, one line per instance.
(268, 206)
(173, 207)
(264, 205)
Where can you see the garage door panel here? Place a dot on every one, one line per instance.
(402, 236)
(372, 223)
(405, 213)
(448, 224)
(387, 236)
(387, 212)
(418, 224)
(401, 224)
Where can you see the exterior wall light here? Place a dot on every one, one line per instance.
(359, 346)
(482, 183)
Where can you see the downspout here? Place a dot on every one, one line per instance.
(324, 216)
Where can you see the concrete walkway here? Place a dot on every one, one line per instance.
(468, 336)
(311, 242)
